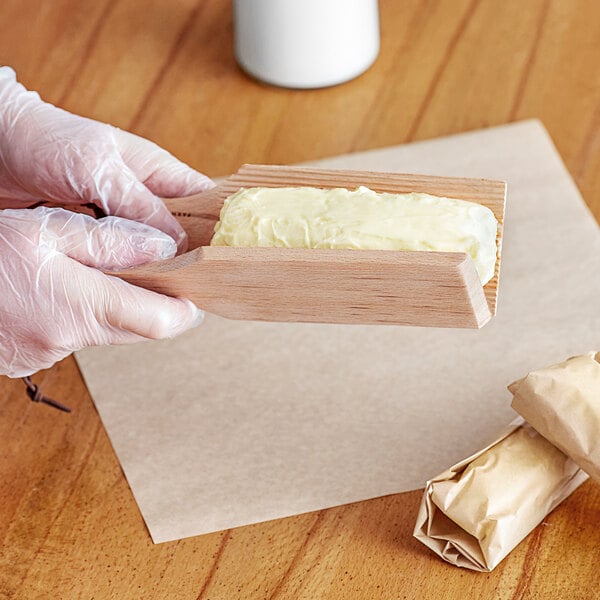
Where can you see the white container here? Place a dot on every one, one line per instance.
(306, 43)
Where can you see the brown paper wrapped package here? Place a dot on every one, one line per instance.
(562, 402)
(477, 511)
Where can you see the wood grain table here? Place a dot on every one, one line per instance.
(69, 526)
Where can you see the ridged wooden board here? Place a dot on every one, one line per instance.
(437, 289)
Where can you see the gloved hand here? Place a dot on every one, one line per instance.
(51, 303)
(49, 154)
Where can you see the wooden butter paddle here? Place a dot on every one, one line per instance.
(436, 289)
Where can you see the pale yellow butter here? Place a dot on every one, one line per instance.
(307, 217)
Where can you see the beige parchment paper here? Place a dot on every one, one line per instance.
(562, 402)
(474, 513)
(238, 422)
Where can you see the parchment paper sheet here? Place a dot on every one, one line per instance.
(239, 422)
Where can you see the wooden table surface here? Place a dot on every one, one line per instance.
(164, 69)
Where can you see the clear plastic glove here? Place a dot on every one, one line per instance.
(49, 154)
(51, 303)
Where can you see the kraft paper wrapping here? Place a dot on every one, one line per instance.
(562, 403)
(238, 422)
(477, 511)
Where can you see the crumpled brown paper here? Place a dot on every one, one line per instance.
(562, 403)
(477, 511)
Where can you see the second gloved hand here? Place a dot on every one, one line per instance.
(49, 154)
(55, 300)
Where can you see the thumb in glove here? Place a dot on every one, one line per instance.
(55, 300)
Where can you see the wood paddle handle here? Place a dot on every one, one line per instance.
(198, 215)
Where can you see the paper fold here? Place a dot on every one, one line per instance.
(562, 402)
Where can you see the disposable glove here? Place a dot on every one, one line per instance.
(54, 299)
(49, 154)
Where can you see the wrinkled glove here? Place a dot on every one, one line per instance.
(51, 303)
(49, 154)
